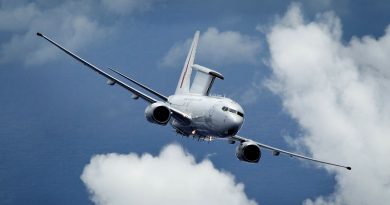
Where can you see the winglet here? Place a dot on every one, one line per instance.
(183, 85)
(39, 34)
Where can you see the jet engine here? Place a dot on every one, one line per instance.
(158, 113)
(248, 152)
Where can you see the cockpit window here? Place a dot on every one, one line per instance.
(224, 108)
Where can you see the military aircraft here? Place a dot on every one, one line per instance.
(191, 110)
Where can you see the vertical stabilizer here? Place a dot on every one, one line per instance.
(183, 86)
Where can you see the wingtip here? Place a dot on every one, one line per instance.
(39, 34)
(349, 168)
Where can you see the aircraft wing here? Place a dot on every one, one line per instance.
(112, 79)
(277, 151)
(177, 114)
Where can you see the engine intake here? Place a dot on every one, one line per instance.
(248, 152)
(158, 113)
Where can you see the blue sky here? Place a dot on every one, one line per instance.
(312, 77)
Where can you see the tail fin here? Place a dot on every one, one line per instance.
(183, 86)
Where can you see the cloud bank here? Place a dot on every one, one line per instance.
(339, 93)
(173, 177)
(217, 48)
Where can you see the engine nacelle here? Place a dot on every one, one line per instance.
(248, 152)
(158, 113)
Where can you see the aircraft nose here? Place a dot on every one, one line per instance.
(236, 120)
(232, 131)
(235, 123)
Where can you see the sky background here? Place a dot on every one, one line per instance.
(312, 76)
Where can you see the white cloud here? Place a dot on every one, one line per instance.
(127, 6)
(217, 48)
(75, 24)
(250, 93)
(66, 21)
(173, 177)
(340, 95)
(18, 18)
